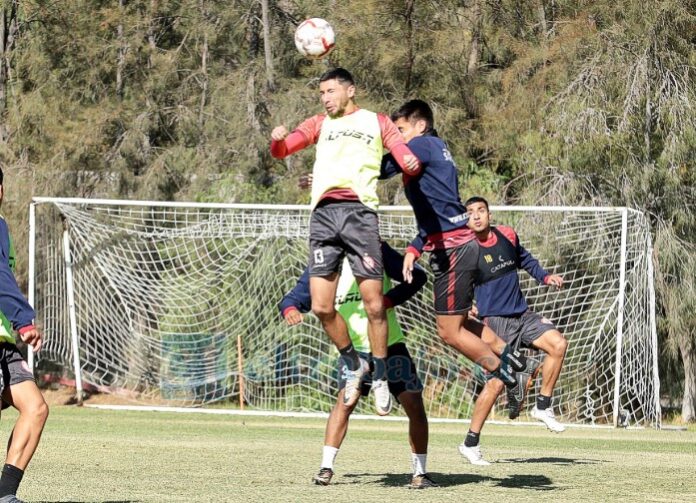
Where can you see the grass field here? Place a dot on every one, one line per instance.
(116, 456)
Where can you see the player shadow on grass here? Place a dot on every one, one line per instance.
(534, 482)
(553, 461)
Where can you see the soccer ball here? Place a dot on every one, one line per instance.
(314, 38)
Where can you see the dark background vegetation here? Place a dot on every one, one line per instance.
(564, 102)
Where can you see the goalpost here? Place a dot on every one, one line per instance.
(176, 303)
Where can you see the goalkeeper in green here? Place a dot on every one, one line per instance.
(17, 386)
(402, 378)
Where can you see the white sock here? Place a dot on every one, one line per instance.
(418, 461)
(328, 456)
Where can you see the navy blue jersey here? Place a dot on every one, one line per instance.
(12, 303)
(300, 299)
(500, 294)
(434, 193)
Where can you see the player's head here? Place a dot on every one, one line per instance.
(414, 118)
(336, 91)
(479, 213)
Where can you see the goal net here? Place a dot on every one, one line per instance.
(177, 303)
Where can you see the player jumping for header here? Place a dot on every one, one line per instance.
(442, 223)
(350, 145)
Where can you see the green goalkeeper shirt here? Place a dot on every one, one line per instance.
(350, 306)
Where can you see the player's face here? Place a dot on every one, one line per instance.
(479, 216)
(335, 97)
(408, 129)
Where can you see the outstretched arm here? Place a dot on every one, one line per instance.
(297, 301)
(530, 264)
(393, 266)
(394, 142)
(284, 143)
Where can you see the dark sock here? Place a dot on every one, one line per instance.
(10, 479)
(350, 357)
(543, 402)
(380, 370)
(514, 358)
(472, 439)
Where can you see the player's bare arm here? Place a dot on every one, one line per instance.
(409, 260)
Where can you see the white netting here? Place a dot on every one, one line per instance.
(164, 291)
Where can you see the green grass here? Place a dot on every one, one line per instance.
(112, 456)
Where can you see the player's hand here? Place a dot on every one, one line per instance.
(305, 181)
(554, 280)
(411, 164)
(293, 317)
(473, 312)
(34, 338)
(407, 271)
(279, 133)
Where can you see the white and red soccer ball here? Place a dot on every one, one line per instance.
(315, 38)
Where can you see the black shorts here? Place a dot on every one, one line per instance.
(401, 372)
(454, 272)
(339, 229)
(520, 330)
(14, 369)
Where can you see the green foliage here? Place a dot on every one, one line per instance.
(563, 102)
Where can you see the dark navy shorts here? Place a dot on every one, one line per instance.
(520, 330)
(345, 228)
(454, 271)
(401, 372)
(14, 369)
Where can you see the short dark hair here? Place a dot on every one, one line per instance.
(476, 199)
(342, 75)
(416, 110)
(1, 176)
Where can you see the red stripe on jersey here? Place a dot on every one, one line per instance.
(451, 282)
(449, 239)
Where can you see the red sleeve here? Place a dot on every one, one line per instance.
(304, 135)
(412, 249)
(288, 309)
(509, 233)
(394, 142)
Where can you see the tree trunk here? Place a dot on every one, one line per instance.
(543, 25)
(648, 125)
(151, 39)
(204, 85)
(270, 82)
(3, 74)
(122, 49)
(474, 47)
(411, 56)
(204, 66)
(8, 31)
(688, 354)
(252, 30)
